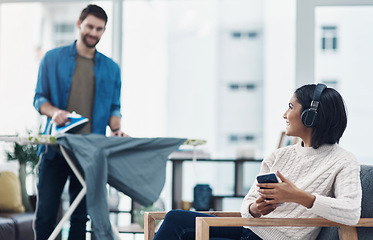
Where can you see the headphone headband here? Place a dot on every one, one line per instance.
(309, 116)
(317, 95)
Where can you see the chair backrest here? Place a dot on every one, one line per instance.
(366, 177)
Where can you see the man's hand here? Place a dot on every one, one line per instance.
(114, 123)
(59, 117)
(118, 133)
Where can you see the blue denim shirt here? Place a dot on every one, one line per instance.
(54, 83)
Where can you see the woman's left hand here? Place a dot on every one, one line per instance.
(285, 191)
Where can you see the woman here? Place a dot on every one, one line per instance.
(318, 177)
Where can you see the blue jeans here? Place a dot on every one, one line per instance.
(180, 225)
(53, 174)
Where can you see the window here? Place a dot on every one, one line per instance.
(329, 38)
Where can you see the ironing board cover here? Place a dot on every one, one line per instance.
(134, 166)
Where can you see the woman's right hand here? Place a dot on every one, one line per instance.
(261, 207)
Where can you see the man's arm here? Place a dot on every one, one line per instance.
(114, 123)
(57, 115)
(43, 92)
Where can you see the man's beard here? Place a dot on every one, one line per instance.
(87, 44)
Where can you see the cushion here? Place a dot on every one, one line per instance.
(10, 192)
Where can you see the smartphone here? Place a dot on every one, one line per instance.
(267, 178)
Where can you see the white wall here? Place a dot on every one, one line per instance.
(279, 67)
(19, 38)
(239, 113)
(191, 91)
(351, 67)
(144, 68)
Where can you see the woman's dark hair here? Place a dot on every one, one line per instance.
(331, 111)
(95, 11)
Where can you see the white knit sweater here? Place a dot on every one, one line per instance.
(330, 173)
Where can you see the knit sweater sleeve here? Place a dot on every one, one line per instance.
(253, 194)
(345, 206)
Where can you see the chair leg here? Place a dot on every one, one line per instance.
(347, 233)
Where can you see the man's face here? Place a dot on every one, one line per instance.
(91, 30)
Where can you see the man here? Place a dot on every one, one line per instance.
(74, 78)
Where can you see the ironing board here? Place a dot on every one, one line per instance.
(71, 144)
(51, 140)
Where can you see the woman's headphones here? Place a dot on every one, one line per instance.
(309, 116)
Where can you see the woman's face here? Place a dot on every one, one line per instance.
(294, 125)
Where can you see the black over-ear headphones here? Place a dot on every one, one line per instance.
(309, 116)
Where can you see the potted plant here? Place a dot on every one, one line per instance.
(27, 157)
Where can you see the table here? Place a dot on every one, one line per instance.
(177, 177)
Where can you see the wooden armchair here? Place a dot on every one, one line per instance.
(234, 219)
(151, 217)
(203, 224)
(362, 231)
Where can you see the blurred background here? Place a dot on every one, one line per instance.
(220, 70)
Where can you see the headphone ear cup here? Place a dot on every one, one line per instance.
(310, 118)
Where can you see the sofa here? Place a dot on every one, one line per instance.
(15, 222)
(16, 226)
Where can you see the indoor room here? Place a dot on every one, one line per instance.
(218, 73)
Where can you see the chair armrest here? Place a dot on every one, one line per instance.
(149, 223)
(203, 224)
(151, 217)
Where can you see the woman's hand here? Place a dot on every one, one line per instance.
(261, 207)
(285, 191)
